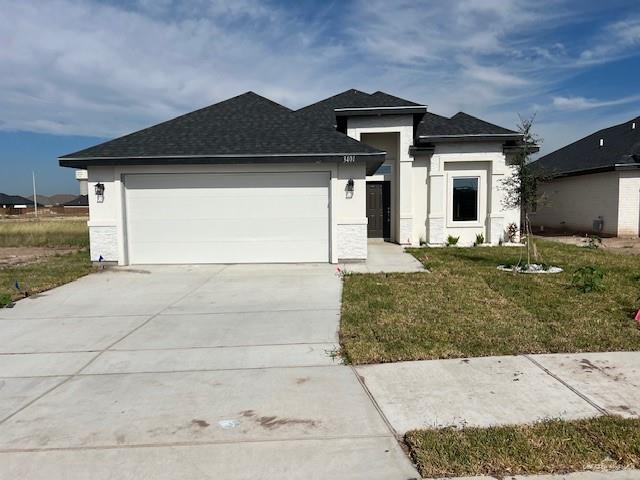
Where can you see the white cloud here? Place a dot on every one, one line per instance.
(616, 40)
(98, 68)
(582, 103)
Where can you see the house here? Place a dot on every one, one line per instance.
(78, 206)
(592, 185)
(248, 180)
(15, 204)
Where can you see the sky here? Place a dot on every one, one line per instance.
(74, 73)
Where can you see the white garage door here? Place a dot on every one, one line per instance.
(228, 218)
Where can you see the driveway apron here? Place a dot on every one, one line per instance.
(171, 372)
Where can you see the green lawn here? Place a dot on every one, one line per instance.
(44, 274)
(56, 232)
(465, 307)
(604, 443)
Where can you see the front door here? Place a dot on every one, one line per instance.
(378, 209)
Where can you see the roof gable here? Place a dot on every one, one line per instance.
(461, 124)
(324, 111)
(14, 200)
(79, 201)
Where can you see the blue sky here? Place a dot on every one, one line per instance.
(73, 73)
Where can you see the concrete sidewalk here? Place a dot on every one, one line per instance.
(385, 257)
(505, 390)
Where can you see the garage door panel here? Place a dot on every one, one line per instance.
(233, 252)
(230, 230)
(228, 218)
(183, 183)
(227, 207)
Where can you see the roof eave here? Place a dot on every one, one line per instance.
(361, 111)
(589, 171)
(531, 148)
(84, 162)
(469, 137)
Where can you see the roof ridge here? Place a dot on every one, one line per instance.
(436, 115)
(390, 95)
(349, 90)
(188, 114)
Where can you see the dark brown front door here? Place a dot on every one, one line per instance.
(378, 210)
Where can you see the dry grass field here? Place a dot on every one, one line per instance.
(36, 255)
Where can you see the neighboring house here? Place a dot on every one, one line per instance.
(79, 202)
(592, 185)
(15, 204)
(77, 206)
(83, 179)
(249, 180)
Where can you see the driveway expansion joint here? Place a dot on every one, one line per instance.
(192, 444)
(570, 387)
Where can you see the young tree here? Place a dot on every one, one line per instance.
(521, 187)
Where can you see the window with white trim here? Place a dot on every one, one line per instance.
(465, 199)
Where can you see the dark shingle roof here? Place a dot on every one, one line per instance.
(621, 147)
(461, 123)
(248, 125)
(11, 200)
(323, 112)
(79, 201)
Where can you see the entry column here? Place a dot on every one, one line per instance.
(436, 193)
(404, 190)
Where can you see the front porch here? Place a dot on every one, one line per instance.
(384, 256)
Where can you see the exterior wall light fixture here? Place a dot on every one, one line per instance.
(99, 187)
(349, 188)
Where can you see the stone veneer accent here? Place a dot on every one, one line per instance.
(352, 241)
(406, 231)
(436, 230)
(104, 241)
(496, 229)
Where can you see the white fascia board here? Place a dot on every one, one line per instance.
(472, 135)
(241, 155)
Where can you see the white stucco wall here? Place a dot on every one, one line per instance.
(420, 170)
(420, 185)
(103, 215)
(348, 221)
(573, 203)
(485, 160)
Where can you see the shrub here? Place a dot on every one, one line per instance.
(512, 231)
(593, 242)
(588, 279)
(451, 240)
(479, 239)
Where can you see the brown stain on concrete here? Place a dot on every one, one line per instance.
(300, 381)
(589, 366)
(200, 423)
(273, 422)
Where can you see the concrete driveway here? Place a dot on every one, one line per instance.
(187, 372)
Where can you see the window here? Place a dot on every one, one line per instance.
(383, 170)
(465, 199)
